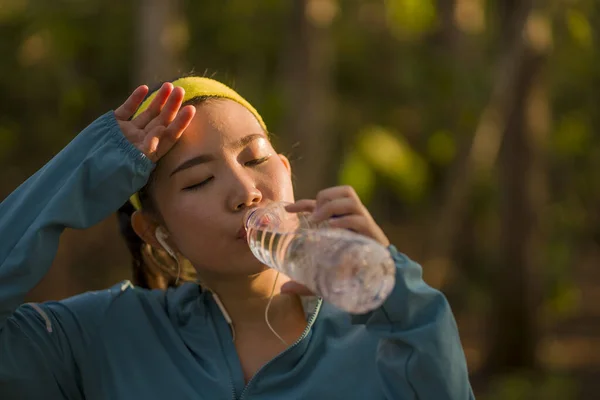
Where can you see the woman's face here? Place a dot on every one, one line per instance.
(222, 165)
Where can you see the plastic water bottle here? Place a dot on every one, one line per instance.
(349, 270)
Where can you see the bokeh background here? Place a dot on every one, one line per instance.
(468, 127)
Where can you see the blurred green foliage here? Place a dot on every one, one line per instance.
(524, 387)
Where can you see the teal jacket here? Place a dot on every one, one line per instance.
(131, 343)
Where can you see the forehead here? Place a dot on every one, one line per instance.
(217, 123)
(220, 121)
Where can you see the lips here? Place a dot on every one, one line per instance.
(242, 233)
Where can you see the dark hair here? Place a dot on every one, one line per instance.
(153, 268)
(142, 275)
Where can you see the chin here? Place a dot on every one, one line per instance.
(253, 266)
(257, 271)
(244, 264)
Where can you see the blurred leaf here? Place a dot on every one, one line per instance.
(579, 28)
(11, 8)
(512, 388)
(410, 18)
(522, 386)
(441, 148)
(8, 140)
(565, 299)
(392, 157)
(572, 136)
(73, 100)
(357, 173)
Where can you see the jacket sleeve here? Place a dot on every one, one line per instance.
(87, 181)
(419, 349)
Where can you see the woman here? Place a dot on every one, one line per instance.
(200, 157)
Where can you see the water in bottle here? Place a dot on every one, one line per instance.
(351, 271)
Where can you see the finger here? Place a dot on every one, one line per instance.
(306, 205)
(337, 208)
(355, 223)
(180, 123)
(161, 139)
(292, 287)
(127, 109)
(335, 192)
(155, 107)
(152, 141)
(169, 110)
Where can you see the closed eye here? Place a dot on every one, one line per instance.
(258, 161)
(198, 185)
(251, 163)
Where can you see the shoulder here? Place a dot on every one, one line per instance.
(124, 296)
(100, 301)
(86, 311)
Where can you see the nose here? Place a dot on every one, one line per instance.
(244, 193)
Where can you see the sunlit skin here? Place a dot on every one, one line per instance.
(216, 162)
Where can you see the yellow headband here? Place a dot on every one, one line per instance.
(198, 87)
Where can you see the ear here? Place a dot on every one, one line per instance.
(286, 162)
(145, 227)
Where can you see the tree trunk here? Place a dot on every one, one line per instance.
(307, 84)
(478, 155)
(161, 36)
(516, 294)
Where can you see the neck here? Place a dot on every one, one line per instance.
(245, 299)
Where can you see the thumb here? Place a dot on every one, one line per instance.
(292, 287)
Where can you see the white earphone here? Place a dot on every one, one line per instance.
(161, 237)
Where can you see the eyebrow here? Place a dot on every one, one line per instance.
(205, 158)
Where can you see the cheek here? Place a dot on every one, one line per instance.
(277, 184)
(200, 237)
(193, 224)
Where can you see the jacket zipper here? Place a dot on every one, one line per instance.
(227, 320)
(296, 343)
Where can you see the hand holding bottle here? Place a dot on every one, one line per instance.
(341, 207)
